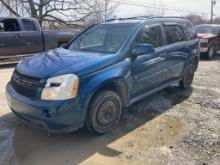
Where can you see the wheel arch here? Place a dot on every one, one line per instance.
(195, 61)
(117, 85)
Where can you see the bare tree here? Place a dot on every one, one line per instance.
(197, 19)
(102, 11)
(57, 11)
(156, 10)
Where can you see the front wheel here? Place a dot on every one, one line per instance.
(104, 112)
(211, 52)
(188, 77)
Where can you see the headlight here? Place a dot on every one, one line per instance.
(204, 40)
(61, 87)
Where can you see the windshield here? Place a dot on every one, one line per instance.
(103, 38)
(207, 29)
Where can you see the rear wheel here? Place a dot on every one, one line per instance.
(188, 77)
(104, 112)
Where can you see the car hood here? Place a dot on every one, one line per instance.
(206, 35)
(62, 61)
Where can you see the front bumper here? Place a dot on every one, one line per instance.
(52, 116)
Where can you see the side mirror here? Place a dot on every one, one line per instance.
(143, 49)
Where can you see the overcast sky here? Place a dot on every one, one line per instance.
(189, 5)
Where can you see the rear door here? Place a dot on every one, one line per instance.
(11, 40)
(32, 37)
(176, 51)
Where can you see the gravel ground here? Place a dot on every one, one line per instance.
(172, 127)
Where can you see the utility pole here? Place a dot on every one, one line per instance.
(213, 3)
(106, 9)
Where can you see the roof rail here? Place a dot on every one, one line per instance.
(138, 17)
(166, 17)
(143, 17)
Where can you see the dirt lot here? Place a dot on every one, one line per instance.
(171, 127)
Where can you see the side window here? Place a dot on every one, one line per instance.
(174, 34)
(151, 35)
(1, 27)
(29, 25)
(10, 25)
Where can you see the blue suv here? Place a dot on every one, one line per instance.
(103, 70)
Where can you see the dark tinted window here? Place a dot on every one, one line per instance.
(152, 35)
(10, 25)
(29, 25)
(1, 26)
(174, 34)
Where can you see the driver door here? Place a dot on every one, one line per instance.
(11, 40)
(149, 71)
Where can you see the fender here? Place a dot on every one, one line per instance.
(118, 73)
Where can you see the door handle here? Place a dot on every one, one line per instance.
(19, 35)
(2, 45)
(28, 43)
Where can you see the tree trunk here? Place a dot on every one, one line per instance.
(32, 8)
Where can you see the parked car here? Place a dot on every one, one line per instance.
(107, 67)
(209, 39)
(21, 36)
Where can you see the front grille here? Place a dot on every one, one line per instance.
(204, 45)
(25, 85)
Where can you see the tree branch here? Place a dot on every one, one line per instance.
(9, 8)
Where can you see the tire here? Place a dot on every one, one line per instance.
(211, 52)
(188, 77)
(195, 64)
(104, 112)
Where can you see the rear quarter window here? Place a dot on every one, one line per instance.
(190, 32)
(29, 25)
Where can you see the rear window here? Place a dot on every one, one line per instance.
(29, 25)
(174, 34)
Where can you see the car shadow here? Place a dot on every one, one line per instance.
(7, 66)
(31, 145)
